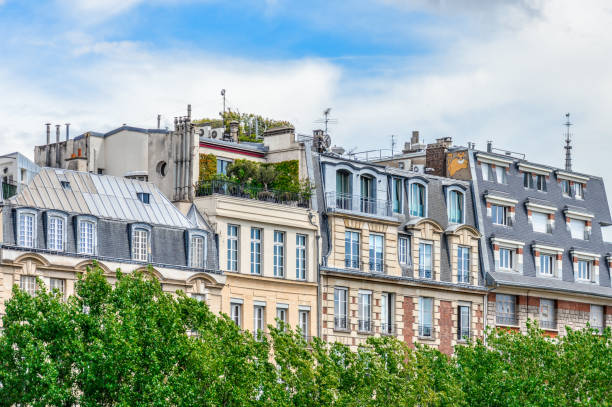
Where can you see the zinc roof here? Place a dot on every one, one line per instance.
(103, 196)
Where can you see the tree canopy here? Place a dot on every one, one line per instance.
(131, 344)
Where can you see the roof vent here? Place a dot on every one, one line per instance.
(143, 197)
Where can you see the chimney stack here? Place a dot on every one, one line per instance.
(67, 131)
(57, 133)
(489, 146)
(234, 131)
(415, 137)
(189, 112)
(48, 133)
(158, 120)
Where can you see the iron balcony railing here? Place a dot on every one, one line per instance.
(425, 272)
(377, 266)
(388, 329)
(548, 324)
(340, 323)
(356, 203)
(504, 319)
(463, 278)
(352, 264)
(8, 190)
(425, 331)
(464, 334)
(365, 325)
(229, 188)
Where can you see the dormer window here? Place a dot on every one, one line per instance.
(578, 191)
(494, 168)
(572, 184)
(548, 260)
(586, 266)
(541, 183)
(565, 188)
(26, 233)
(541, 215)
(144, 197)
(500, 208)
(65, 185)
(455, 206)
(499, 215)
(418, 199)
(508, 254)
(56, 232)
(578, 222)
(86, 235)
(140, 244)
(197, 251)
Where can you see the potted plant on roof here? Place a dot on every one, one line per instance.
(241, 172)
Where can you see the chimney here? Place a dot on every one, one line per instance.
(415, 137)
(489, 146)
(48, 133)
(234, 131)
(189, 112)
(67, 131)
(158, 120)
(435, 156)
(57, 133)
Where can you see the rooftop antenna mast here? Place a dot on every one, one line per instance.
(568, 141)
(223, 94)
(326, 120)
(393, 145)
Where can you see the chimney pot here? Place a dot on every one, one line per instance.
(234, 131)
(57, 133)
(489, 146)
(67, 131)
(48, 133)
(415, 137)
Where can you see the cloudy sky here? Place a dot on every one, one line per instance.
(470, 69)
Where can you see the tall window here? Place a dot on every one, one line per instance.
(417, 200)
(281, 316)
(222, 166)
(546, 264)
(505, 258)
(303, 317)
(596, 318)
(344, 198)
(455, 207)
(577, 229)
(26, 230)
(58, 284)
(279, 254)
(500, 173)
(255, 251)
(463, 324)
(140, 245)
(541, 182)
(28, 284)
(351, 249)
(300, 257)
(365, 311)
(578, 190)
(404, 250)
(584, 270)
(368, 203)
(425, 317)
(487, 172)
(565, 187)
(425, 260)
(540, 222)
(376, 253)
(505, 307)
(386, 313)
(55, 235)
(232, 247)
(87, 232)
(197, 251)
(259, 312)
(499, 215)
(527, 180)
(397, 195)
(340, 308)
(463, 264)
(547, 314)
(236, 313)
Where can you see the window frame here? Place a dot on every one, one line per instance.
(191, 236)
(528, 180)
(422, 257)
(376, 264)
(505, 318)
(26, 213)
(301, 259)
(256, 251)
(341, 302)
(85, 220)
(403, 250)
(460, 202)
(364, 311)
(232, 253)
(135, 230)
(278, 264)
(510, 258)
(499, 169)
(461, 328)
(28, 284)
(259, 324)
(52, 237)
(304, 322)
(426, 330)
(421, 186)
(547, 228)
(540, 183)
(281, 316)
(352, 260)
(387, 313)
(495, 212)
(465, 261)
(550, 322)
(397, 194)
(236, 306)
(588, 270)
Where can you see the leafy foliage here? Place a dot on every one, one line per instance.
(250, 126)
(208, 167)
(133, 344)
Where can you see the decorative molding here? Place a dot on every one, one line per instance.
(571, 177)
(535, 169)
(491, 159)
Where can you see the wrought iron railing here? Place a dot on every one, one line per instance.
(377, 266)
(365, 325)
(356, 203)
(388, 329)
(425, 272)
(8, 190)
(548, 324)
(505, 319)
(464, 334)
(229, 188)
(340, 323)
(425, 331)
(352, 263)
(463, 278)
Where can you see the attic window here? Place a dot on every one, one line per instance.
(143, 197)
(65, 184)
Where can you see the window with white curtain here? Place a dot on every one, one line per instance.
(455, 206)
(26, 229)
(55, 233)
(87, 231)
(577, 229)
(540, 222)
(197, 251)
(140, 244)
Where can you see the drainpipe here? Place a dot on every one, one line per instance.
(319, 300)
(485, 317)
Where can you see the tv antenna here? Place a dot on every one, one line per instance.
(568, 141)
(393, 145)
(223, 94)
(327, 120)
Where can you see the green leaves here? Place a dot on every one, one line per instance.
(133, 344)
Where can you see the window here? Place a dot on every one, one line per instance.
(425, 317)
(255, 251)
(258, 320)
(463, 324)
(541, 182)
(578, 190)
(28, 284)
(547, 314)
(499, 215)
(300, 257)
(236, 313)
(397, 195)
(351, 249)
(303, 317)
(584, 270)
(404, 250)
(340, 308)
(344, 199)
(58, 284)
(425, 261)
(376, 253)
(222, 166)
(140, 245)
(565, 187)
(577, 229)
(455, 206)
(365, 311)
(368, 199)
(55, 233)
(26, 229)
(527, 180)
(279, 254)
(87, 231)
(386, 313)
(506, 309)
(199, 297)
(281, 316)
(487, 172)
(540, 222)
(596, 318)
(506, 258)
(144, 197)
(546, 264)
(500, 173)
(232, 247)
(463, 264)
(417, 200)
(197, 251)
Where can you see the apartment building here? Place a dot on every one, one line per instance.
(16, 171)
(400, 255)
(64, 220)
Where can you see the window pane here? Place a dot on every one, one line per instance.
(279, 254)
(340, 308)
(540, 222)
(463, 264)
(404, 250)
(351, 249)
(425, 316)
(300, 257)
(500, 173)
(577, 228)
(197, 252)
(417, 200)
(376, 253)
(505, 308)
(425, 260)
(255, 251)
(397, 195)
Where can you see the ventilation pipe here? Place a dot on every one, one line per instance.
(489, 146)
(67, 131)
(48, 133)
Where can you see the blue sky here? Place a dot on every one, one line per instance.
(470, 69)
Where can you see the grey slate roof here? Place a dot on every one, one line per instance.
(258, 147)
(103, 196)
(518, 280)
(118, 129)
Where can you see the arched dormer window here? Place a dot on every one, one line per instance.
(368, 198)
(87, 236)
(197, 249)
(26, 227)
(418, 199)
(141, 242)
(344, 189)
(455, 204)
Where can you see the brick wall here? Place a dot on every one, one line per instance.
(446, 327)
(408, 306)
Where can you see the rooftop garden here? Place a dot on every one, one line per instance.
(250, 126)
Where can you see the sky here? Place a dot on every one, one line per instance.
(499, 70)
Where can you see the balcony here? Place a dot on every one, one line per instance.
(425, 331)
(340, 323)
(376, 266)
(388, 329)
(357, 204)
(229, 188)
(504, 319)
(365, 325)
(425, 272)
(9, 189)
(548, 324)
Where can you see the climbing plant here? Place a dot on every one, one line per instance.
(208, 167)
